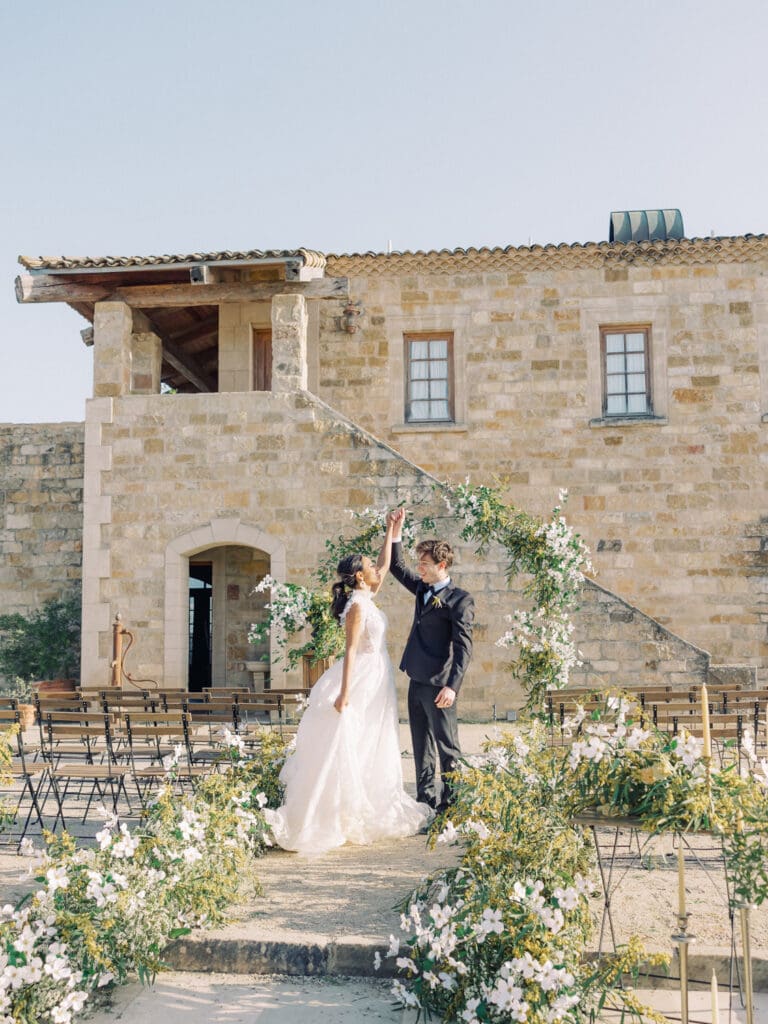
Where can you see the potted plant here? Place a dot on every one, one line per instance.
(44, 646)
(20, 690)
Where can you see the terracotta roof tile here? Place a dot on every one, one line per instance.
(684, 251)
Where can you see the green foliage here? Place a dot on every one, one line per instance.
(292, 609)
(107, 912)
(502, 936)
(44, 644)
(554, 559)
(19, 688)
(6, 778)
(616, 766)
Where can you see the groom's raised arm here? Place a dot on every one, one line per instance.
(397, 566)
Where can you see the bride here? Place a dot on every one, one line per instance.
(344, 780)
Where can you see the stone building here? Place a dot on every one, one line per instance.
(634, 374)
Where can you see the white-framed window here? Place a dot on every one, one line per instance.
(429, 377)
(626, 363)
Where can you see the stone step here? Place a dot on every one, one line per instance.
(297, 955)
(743, 675)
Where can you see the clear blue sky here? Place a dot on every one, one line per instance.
(156, 126)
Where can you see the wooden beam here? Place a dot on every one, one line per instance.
(188, 367)
(202, 329)
(170, 295)
(47, 288)
(183, 362)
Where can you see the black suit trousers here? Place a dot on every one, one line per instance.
(434, 734)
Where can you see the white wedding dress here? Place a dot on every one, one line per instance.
(344, 779)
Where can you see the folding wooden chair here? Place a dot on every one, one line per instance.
(222, 692)
(99, 770)
(26, 778)
(114, 699)
(152, 738)
(57, 704)
(291, 700)
(254, 716)
(206, 723)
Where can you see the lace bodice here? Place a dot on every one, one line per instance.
(374, 622)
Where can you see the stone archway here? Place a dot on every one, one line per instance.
(219, 532)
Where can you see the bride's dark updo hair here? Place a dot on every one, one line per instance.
(347, 570)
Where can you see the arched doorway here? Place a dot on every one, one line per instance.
(210, 573)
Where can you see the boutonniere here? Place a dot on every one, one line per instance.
(436, 602)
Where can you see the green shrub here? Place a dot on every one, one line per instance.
(44, 644)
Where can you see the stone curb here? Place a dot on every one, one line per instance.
(311, 956)
(352, 957)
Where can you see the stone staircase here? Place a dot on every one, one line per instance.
(621, 645)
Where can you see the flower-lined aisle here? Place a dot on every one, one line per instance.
(503, 936)
(105, 912)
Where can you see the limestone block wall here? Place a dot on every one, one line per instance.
(668, 506)
(175, 475)
(41, 491)
(269, 477)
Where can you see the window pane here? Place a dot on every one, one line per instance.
(637, 403)
(636, 362)
(614, 364)
(636, 382)
(419, 410)
(616, 384)
(614, 343)
(428, 378)
(635, 342)
(616, 404)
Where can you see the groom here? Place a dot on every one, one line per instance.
(436, 657)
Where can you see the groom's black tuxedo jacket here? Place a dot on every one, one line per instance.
(440, 642)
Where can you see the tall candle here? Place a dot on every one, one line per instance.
(680, 881)
(715, 1007)
(707, 751)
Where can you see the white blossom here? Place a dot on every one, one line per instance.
(489, 922)
(57, 878)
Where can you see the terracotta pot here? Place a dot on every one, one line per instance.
(27, 716)
(310, 673)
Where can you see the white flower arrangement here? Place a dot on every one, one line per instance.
(554, 557)
(123, 899)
